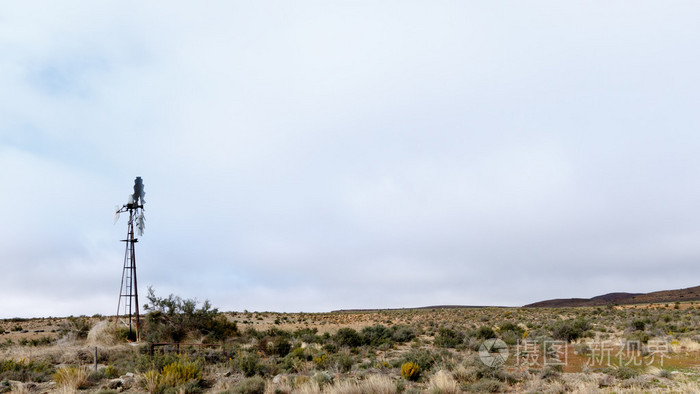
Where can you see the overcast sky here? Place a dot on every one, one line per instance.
(312, 156)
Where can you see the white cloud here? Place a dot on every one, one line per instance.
(319, 156)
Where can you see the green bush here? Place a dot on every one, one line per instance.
(281, 346)
(79, 326)
(252, 385)
(423, 357)
(570, 330)
(172, 319)
(448, 338)
(638, 325)
(26, 371)
(640, 336)
(249, 364)
(402, 333)
(510, 333)
(485, 332)
(124, 334)
(111, 372)
(347, 337)
(307, 335)
(622, 372)
(376, 335)
(342, 361)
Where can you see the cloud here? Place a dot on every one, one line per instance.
(317, 156)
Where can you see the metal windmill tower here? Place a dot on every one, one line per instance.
(128, 305)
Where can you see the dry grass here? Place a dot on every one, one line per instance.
(345, 387)
(443, 383)
(103, 333)
(465, 374)
(310, 387)
(71, 378)
(378, 384)
(150, 380)
(373, 384)
(21, 388)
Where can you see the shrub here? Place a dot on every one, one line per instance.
(111, 372)
(323, 378)
(307, 335)
(423, 357)
(78, 326)
(639, 336)
(665, 373)
(23, 371)
(485, 332)
(249, 363)
(510, 333)
(321, 360)
(570, 330)
(348, 337)
(402, 333)
(180, 373)
(280, 346)
(172, 319)
(376, 335)
(342, 361)
(448, 338)
(550, 372)
(510, 337)
(510, 326)
(622, 372)
(410, 371)
(146, 363)
(638, 325)
(252, 385)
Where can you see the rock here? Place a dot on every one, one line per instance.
(115, 384)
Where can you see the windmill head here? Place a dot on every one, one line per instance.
(139, 193)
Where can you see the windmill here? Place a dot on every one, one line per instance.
(128, 305)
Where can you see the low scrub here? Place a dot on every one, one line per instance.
(182, 374)
(26, 371)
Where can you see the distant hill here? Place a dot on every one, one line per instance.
(416, 308)
(664, 296)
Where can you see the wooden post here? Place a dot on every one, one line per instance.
(95, 358)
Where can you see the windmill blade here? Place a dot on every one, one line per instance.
(141, 223)
(117, 211)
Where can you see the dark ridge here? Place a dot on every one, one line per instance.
(664, 296)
